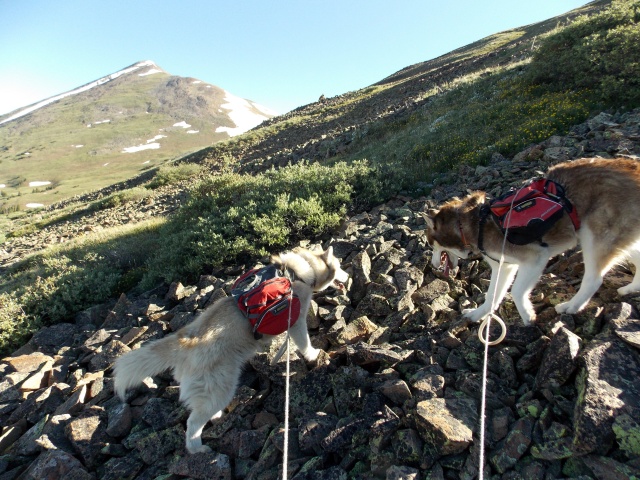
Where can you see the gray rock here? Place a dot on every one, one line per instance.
(359, 329)
(361, 265)
(157, 413)
(28, 363)
(203, 466)
(107, 355)
(27, 444)
(409, 279)
(250, 441)
(56, 464)
(396, 390)
(88, 435)
(120, 419)
(341, 437)
(514, 445)
(313, 430)
(125, 468)
(431, 291)
(609, 469)
(407, 446)
(155, 446)
(627, 329)
(120, 316)
(608, 384)
(402, 473)
(52, 339)
(428, 386)
(374, 305)
(559, 359)
(530, 361)
(364, 354)
(447, 424)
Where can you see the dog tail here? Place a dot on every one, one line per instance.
(133, 367)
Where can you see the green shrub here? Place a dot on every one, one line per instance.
(233, 217)
(15, 325)
(123, 197)
(172, 173)
(502, 113)
(55, 285)
(598, 53)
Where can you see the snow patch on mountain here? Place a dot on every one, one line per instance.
(182, 124)
(84, 88)
(150, 72)
(139, 148)
(243, 113)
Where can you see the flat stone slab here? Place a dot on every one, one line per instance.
(447, 424)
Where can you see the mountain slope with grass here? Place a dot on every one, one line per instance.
(112, 129)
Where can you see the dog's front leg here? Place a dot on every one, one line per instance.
(301, 338)
(497, 290)
(597, 261)
(525, 281)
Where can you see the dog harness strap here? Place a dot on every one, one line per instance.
(556, 191)
(484, 214)
(485, 210)
(462, 237)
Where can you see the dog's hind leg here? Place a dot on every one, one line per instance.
(497, 290)
(633, 255)
(206, 400)
(195, 424)
(598, 259)
(525, 281)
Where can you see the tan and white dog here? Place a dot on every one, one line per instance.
(207, 355)
(606, 194)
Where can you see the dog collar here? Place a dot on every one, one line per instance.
(485, 210)
(465, 244)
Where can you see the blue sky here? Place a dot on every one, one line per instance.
(279, 53)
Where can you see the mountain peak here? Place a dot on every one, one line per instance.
(152, 68)
(114, 128)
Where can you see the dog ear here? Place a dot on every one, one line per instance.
(473, 200)
(428, 218)
(328, 255)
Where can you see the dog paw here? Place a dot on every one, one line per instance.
(566, 307)
(311, 354)
(473, 314)
(528, 319)
(200, 449)
(622, 291)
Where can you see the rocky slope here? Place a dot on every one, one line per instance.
(397, 393)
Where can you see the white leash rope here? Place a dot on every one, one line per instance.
(487, 322)
(285, 453)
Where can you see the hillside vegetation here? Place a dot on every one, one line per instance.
(256, 195)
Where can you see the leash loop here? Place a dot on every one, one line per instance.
(486, 324)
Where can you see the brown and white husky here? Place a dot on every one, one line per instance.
(606, 194)
(207, 355)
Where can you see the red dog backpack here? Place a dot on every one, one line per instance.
(267, 300)
(526, 214)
